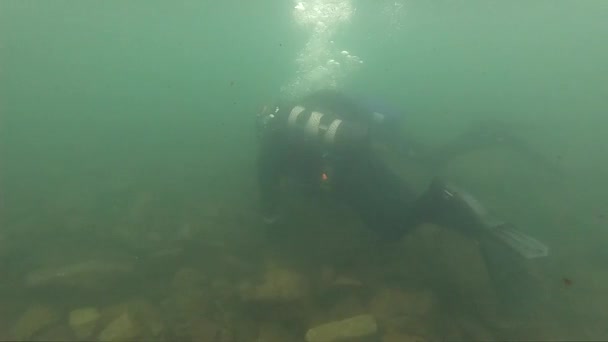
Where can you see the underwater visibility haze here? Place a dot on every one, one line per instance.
(129, 198)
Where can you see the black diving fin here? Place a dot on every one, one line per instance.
(521, 243)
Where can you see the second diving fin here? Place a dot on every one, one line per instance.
(524, 245)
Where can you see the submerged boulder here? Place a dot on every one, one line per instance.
(278, 284)
(400, 337)
(87, 275)
(122, 328)
(135, 319)
(412, 312)
(83, 321)
(34, 320)
(349, 329)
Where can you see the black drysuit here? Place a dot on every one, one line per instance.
(326, 137)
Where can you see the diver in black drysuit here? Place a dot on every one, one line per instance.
(326, 137)
(326, 140)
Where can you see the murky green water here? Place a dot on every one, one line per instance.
(127, 168)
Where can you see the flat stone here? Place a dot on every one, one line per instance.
(279, 284)
(121, 329)
(144, 317)
(33, 321)
(90, 275)
(83, 321)
(395, 337)
(344, 330)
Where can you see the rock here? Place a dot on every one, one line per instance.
(83, 321)
(89, 275)
(328, 279)
(460, 272)
(33, 321)
(344, 330)
(121, 329)
(400, 311)
(111, 312)
(278, 284)
(144, 316)
(397, 337)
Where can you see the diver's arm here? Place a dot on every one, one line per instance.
(487, 134)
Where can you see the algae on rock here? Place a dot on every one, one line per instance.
(122, 328)
(278, 284)
(83, 321)
(142, 317)
(411, 312)
(344, 330)
(34, 320)
(86, 275)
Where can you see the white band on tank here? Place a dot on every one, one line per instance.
(312, 126)
(293, 116)
(330, 135)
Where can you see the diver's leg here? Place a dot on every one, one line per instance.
(448, 204)
(381, 198)
(506, 251)
(482, 135)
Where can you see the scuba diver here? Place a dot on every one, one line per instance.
(328, 141)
